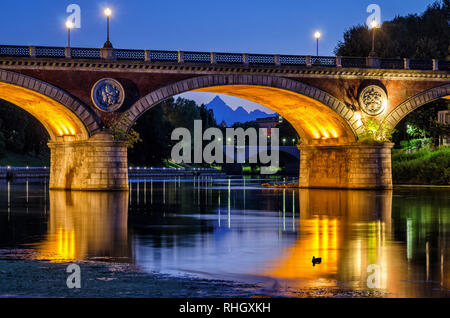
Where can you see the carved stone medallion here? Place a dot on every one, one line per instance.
(108, 95)
(373, 100)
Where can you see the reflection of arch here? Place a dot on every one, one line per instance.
(59, 113)
(415, 102)
(315, 114)
(86, 224)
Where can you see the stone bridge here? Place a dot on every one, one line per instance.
(76, 93)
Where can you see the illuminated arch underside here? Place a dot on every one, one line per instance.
(55, 117)
(310, 118)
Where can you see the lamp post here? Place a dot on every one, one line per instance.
(69, 25)
(317, 35)
(373, 25)
(108, 13)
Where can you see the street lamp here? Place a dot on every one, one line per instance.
(373, 25)
(69, 25)
(317, 35)
(108, 13)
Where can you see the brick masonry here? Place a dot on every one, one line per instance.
(96, 164)
(355, 166)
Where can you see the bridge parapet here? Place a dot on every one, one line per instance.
(182, 57)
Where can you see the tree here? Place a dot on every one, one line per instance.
(288, 132)
(182, 112)
(20, 132)
(156, 125)
(207, 116)
(424, 36)
(154, 129)
(422, 123)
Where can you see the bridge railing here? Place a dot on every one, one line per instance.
(221, 58)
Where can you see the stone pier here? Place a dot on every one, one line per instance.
(97, 164)
(353, 166)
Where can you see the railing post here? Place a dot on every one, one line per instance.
(277, 60)
(373, 62)
(406, 64)
(68, 52)
(147, 56)
(107, 53)
(308, 61)
(435, 65)
(180, 57)
(32, 51)
(338, 61)
(213, 58)
(245, 58)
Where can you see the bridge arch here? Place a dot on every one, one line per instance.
(411, 104)
(64, 117)
(317, 116)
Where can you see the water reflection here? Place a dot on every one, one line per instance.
(236, 229)
(351, 230)
(86, 225)
(347, 229)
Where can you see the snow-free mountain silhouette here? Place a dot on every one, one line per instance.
(223, 112)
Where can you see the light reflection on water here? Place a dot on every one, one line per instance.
(235, 229)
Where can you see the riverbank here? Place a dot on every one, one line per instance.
(422, 167)
(38, 279)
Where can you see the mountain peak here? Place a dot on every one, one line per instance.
(217, 99)
(223, 112)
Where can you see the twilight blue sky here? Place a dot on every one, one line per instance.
(252, 26)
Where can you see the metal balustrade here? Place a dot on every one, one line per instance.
(80, 53)
(323, 61)
(392, 63)
(138, 55)
(221, 58)
(421, 64)
(197, 57)
(261, 59)
(292, 60)
(444, 65)
(164, 56)
(14, 51)
(55, 52)
(230, 58)
(354, 62)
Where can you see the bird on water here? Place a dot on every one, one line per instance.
(316, 260)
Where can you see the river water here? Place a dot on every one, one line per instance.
(394, 242)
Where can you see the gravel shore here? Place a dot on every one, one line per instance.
(35, 279)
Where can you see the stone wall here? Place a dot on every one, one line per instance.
(98, 163)
(355, 166)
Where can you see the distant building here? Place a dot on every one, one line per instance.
(444, 118)
(268, 122)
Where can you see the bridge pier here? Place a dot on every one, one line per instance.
(97, 164)
(353, 166)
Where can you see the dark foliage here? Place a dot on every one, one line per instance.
(424, 36)
(21, 133)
